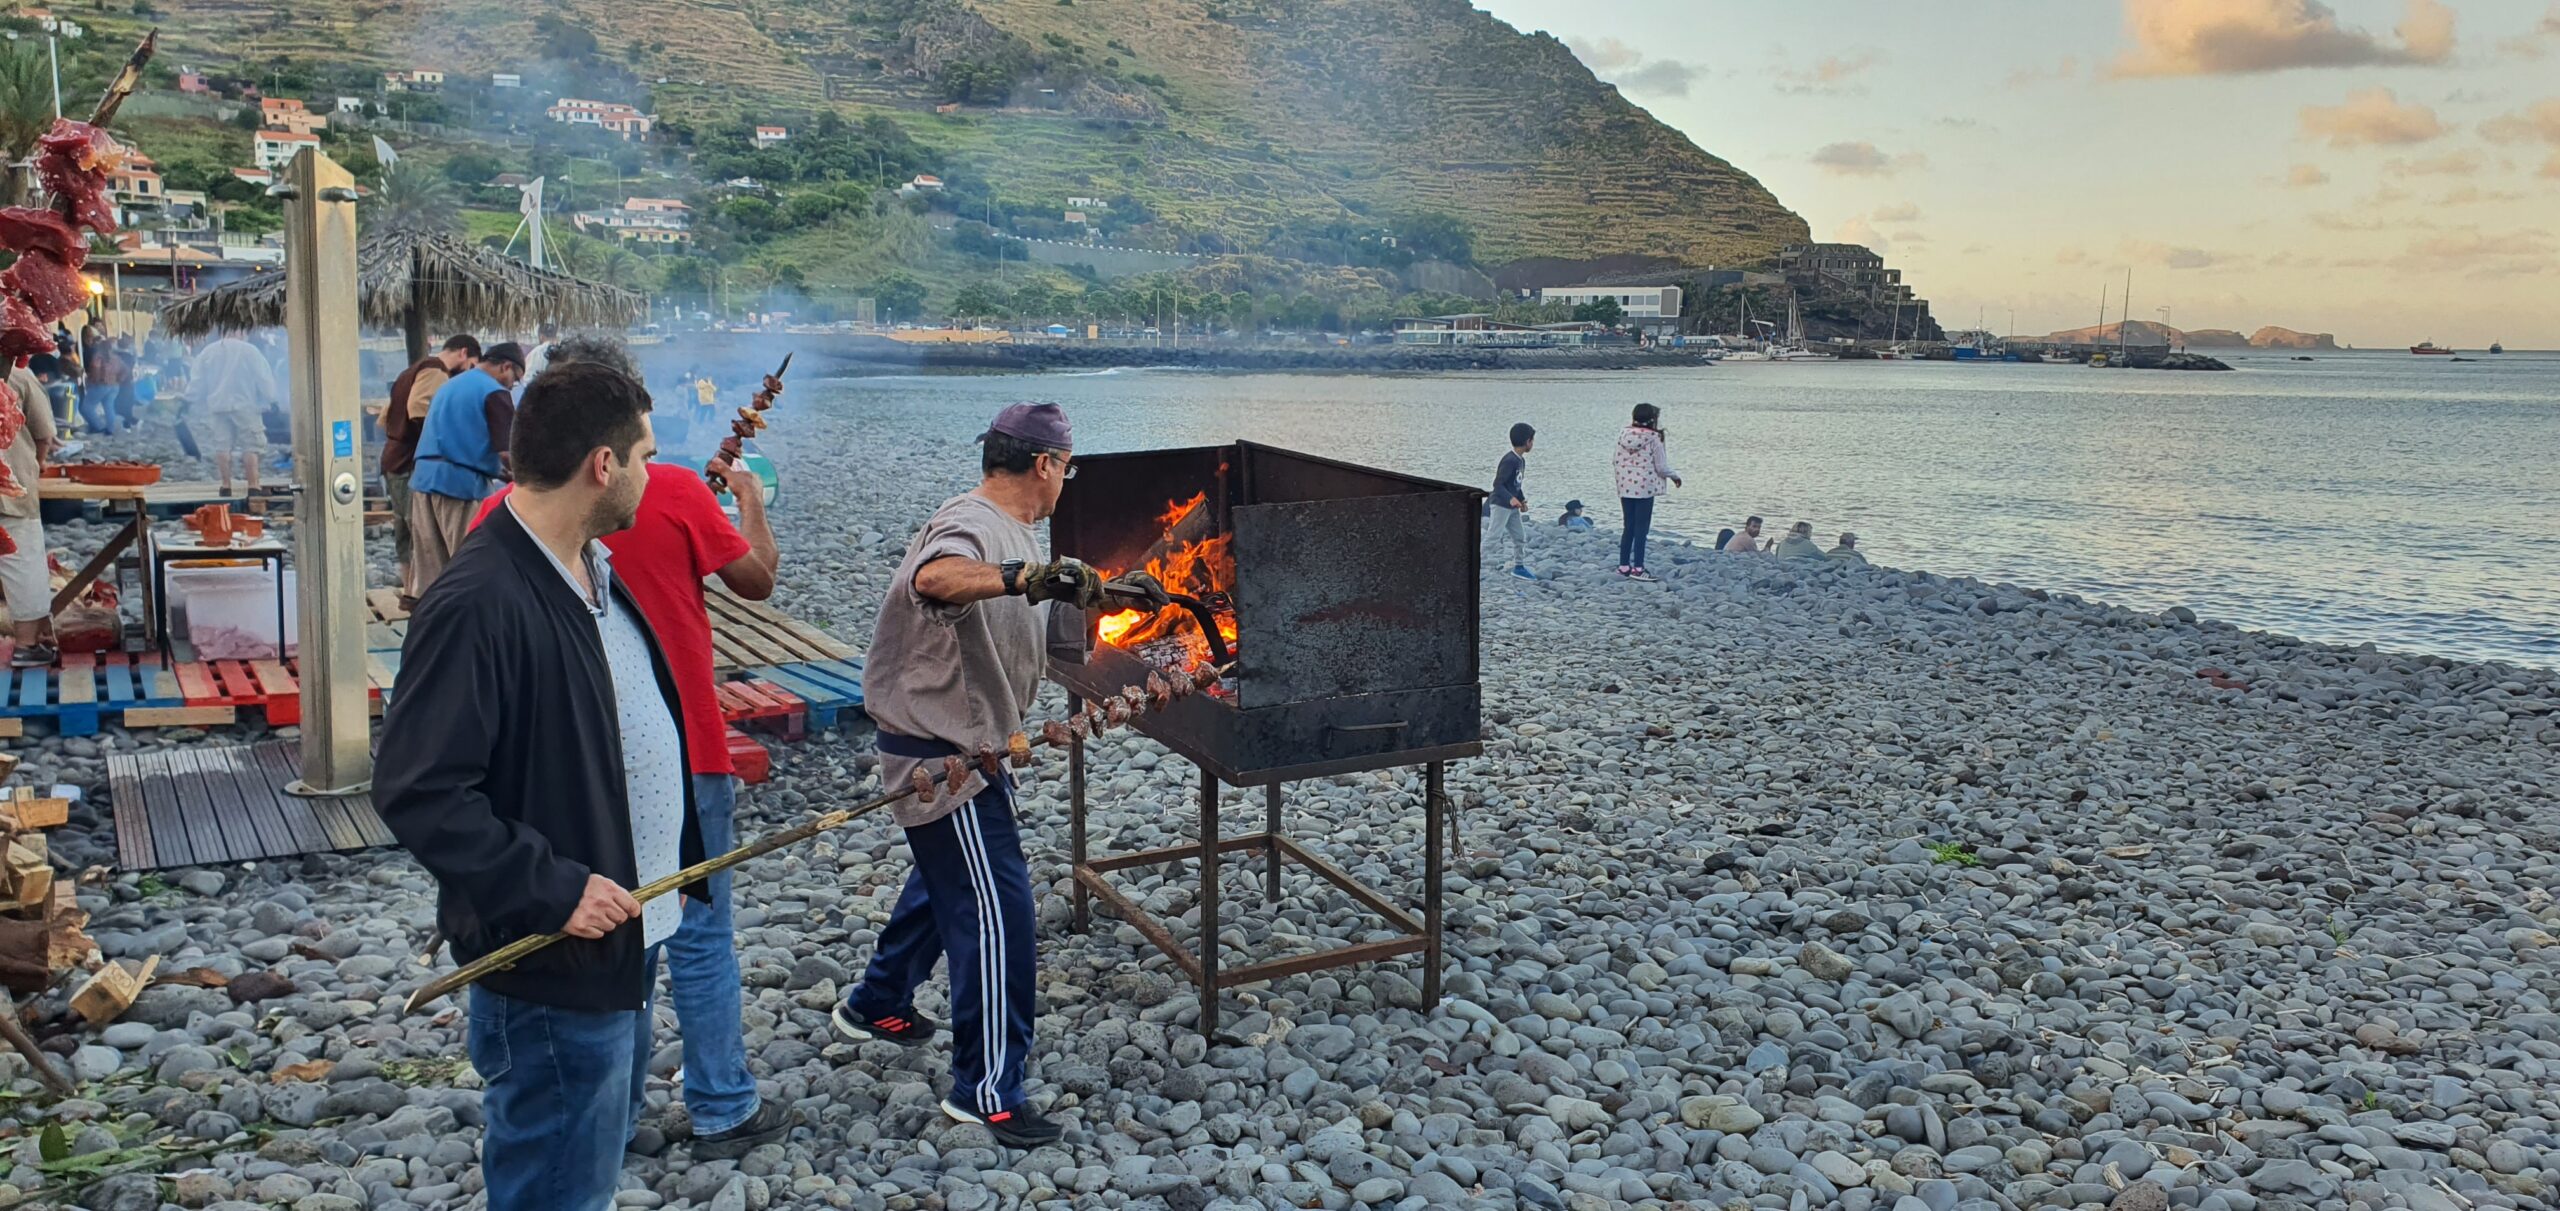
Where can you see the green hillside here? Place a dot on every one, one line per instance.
(1349, 135)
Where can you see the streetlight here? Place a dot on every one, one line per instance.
(2167, 333)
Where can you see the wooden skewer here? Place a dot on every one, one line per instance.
(17, 1036)
(1018, 750)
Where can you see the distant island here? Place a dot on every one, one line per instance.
(2145, 332)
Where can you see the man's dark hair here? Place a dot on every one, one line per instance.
(1751, 519)
(1520, 434)
(1007, 453)
(569, 411)
(466, 342)
(594, 350)
(507, 352)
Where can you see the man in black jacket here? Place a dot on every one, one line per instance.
(533, 761)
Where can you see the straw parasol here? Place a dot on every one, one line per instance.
(415, 282)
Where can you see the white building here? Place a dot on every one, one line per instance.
(506, 79)
(612, 117)
(276, 148)
(1635, 302)
(767, 136)
(353, 106)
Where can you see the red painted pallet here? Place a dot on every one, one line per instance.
(753, 763)
(752, 700)
(272, 686)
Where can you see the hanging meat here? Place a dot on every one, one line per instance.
(73, 161)
(52, 287)
(22, 335)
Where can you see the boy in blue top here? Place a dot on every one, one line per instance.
(461, 457)
(1510, 502)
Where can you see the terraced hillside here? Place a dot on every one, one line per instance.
(1229, 117)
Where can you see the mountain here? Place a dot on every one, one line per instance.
(2287, 338)
(2145, 332)
(1287, 127)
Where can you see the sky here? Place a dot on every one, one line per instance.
(2385, 170)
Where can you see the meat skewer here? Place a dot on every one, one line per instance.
(750, 419)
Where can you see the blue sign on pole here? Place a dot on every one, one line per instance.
(342, 438)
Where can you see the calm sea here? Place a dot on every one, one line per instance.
(2411, 502)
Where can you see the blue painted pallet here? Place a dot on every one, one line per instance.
(828, 686)
(85, 685)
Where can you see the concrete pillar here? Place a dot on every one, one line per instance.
(328, 468)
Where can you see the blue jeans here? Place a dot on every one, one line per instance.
(968, 896)
(98, 409)
(558, 1100)
(1638, 511)
(702, 963)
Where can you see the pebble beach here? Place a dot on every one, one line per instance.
(1783, 885)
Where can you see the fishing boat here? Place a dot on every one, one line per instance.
(2495, 347)
(2430, 349)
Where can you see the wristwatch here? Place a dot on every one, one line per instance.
(1012, 577)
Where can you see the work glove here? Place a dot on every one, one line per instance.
(1137, 591)
(1067, 580)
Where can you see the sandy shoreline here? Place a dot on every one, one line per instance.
(1784, 886)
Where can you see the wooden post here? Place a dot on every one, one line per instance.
(328, 465)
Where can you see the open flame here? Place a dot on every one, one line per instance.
(1195, 568)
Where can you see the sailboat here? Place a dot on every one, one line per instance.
(1751, 350)
(1793, 350)
(1896, 351)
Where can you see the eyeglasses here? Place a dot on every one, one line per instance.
(1066, 465)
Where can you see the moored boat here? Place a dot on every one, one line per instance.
(2430, 349)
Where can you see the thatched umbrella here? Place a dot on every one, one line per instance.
(417, 282)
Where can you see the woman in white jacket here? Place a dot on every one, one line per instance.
(1643, 466)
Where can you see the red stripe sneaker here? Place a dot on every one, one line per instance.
(909, 1029)
(1020, 1127)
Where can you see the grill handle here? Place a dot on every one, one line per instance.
(1397, 726)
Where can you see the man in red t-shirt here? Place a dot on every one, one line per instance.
(680, 537)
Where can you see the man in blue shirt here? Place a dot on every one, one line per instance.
(461, 457)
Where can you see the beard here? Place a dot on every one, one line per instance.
(616, 512)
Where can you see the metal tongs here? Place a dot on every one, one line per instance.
(1203, 610)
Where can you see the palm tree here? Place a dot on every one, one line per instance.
(619, 266)
(26, 110)
(411, 198)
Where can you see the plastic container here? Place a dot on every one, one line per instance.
(230, 612)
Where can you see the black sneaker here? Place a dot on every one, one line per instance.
(767, 1124)
(909, 1029)
(34, 656)
(1020, 1127)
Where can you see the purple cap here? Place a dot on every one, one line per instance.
(1040, 424)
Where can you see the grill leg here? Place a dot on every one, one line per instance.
(1271, 847)
(1433, 858)
(1208, 904)
(1082, 916)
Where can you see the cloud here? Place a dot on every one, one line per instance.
(2473, 195)
(1899, 212)
(2071, 256)
(1862, 159)
(1860, 231)
(2304, 176)
(2234, 37)
(1630, 69)
(1830, 75)
(2530, 44)
(2536, 123)
(2550, 168)
(1607, 54)
(2454, 164)
(2178, 256)
(1662, 77)
(2483, 254)
(2028, 77)
(2371, 116)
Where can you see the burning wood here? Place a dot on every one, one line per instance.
(1191, 559)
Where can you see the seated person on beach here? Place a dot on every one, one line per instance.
(1573, 518)
(1799, 543)
(1847, 551)
(1747, 541)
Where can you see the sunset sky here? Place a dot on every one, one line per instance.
(2387, 170)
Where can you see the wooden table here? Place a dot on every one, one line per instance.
(139, 500)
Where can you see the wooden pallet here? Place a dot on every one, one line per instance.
(753, 701)
(748, 635)
(77, 693)
(749, 758)
(195, 806)
(828, 687)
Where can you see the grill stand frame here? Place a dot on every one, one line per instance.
(1202, 965)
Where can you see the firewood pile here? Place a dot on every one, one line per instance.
(41, 925)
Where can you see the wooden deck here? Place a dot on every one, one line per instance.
(197, 806)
